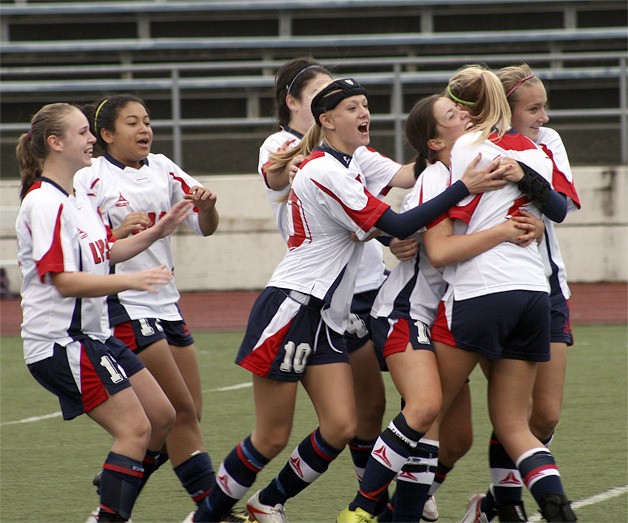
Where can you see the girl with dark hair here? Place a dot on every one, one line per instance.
(132, 189)
(64, 253)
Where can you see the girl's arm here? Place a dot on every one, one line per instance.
(443, 247)
(205, 201)
(126, 248)
(86, 285)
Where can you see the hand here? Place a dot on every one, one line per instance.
(149, 279)
(404, 250)
(532, 228)
(168, 223)
(488, 178)
(201, 197)
(132, 224)
(293, 167)
(513, 171)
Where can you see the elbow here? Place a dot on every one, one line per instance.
(437, 260)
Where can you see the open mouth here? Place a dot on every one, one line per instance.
(363, 128)
(470, 125)
(144, 142)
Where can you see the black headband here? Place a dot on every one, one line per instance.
(334, 93)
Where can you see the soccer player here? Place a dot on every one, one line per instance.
(505, 289)
(132, 189)
(405, 309)
(64, 253)
(295, 330)
(527, 98)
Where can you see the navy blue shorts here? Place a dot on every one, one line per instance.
(139, 334)
(85, 373)
(286, 334)
(359, 325)
(511, 324)
(392, 335)
(560, 326)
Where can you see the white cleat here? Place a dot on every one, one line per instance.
(430, 510)
(190, 518)
(261, 513)
(474, 512)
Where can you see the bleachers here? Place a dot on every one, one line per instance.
(206, 68)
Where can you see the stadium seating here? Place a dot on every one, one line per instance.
(206, 67)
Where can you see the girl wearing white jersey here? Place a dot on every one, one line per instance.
(527, 99)
(404, 311)
(295, 330)
(503, 290)
(296, 83)
(132, 189)
(64, 253)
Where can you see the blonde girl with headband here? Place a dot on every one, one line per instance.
(528, 99)
(132, 189)
(504, 289)
(64, 253)
(295, 330)
(296, 83)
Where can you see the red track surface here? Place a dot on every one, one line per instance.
(590, 303)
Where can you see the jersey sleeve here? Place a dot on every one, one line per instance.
(349, 202)
(53, 237)
(562, 178)
(180, 185)
(378, 170)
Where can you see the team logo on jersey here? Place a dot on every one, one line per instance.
(82, 234)
(122, 201)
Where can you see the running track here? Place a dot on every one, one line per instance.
(590, 303)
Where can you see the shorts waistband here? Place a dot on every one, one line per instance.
(305, 299)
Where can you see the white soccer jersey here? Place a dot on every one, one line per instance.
(414, 287)
(562, 181)
(153, 189)
(327, 202)
(57, 232)
(377, 171)
(506, 266)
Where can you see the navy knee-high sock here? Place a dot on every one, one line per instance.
(390, 454)
(120, 485)
(196, 475)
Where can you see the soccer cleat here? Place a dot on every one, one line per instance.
(355, 516)
(261, 513)
(556, 507)
(430, 510)
(474, 512)
(512, 513)
(229, 518)
(96, 481)
(93, 516)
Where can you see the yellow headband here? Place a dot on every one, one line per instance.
(456, 99)
(96, 116)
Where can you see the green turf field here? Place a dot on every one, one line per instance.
(46, 465)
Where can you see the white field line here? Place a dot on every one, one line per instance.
(598, 498)
(32, 419)
(230, 387)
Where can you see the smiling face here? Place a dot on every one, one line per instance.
(132, 137)
(77, 142)
(347, 124)
(528, 109)
(452, 121)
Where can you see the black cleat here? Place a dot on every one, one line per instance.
(96, 482)
(556, 507)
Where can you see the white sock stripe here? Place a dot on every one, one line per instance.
(228, 484)
(387, 456)
(393, 428)
(507, 478)
(529, 453)
(301, 468)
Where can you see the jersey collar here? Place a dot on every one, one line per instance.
(118, 164)
(293, 132)
(344, 159)
(55, 184)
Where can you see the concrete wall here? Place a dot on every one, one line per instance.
(244, 251)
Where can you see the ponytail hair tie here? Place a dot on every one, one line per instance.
(29, 136)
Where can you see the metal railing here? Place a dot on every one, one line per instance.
(170, 78)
